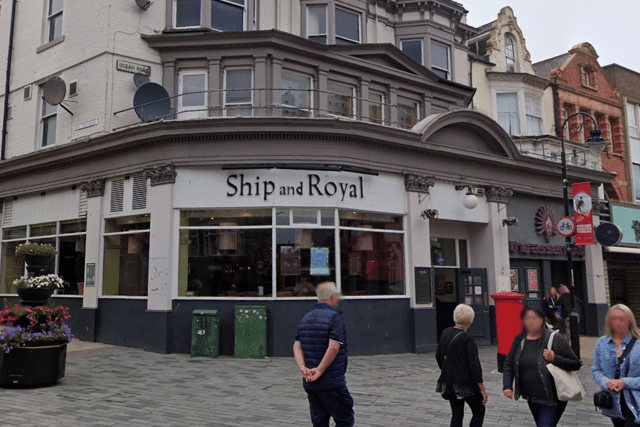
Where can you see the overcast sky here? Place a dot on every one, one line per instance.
(552, 27)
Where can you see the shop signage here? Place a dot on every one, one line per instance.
(628, 219)
(582, 213)
(546, 222)
(132, 67)
(314, 186)
(533, 248)
(565, 226)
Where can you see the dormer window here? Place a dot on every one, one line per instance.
(218, 15)
(510, 53)
(329, 24)
(588, 77)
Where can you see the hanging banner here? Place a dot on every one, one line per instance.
(582, 213)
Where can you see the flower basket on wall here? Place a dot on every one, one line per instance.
(37, 256)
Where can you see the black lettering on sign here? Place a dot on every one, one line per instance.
(232, 185)
(314, 180)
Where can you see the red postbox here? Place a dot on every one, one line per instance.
(508, 308)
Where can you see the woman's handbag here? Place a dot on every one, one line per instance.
(568, 385)
(604, 398)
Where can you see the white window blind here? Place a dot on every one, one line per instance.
(533, 114)
(632, 119)
(317, 23)
(508, 115)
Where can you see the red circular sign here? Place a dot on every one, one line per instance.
(565, 226)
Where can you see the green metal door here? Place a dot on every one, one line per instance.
(251, 332)
(205, 332)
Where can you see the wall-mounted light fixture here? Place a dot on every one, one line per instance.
(470, 201)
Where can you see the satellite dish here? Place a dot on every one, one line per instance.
(54, 91)
(143, 4)
(151, 102)
(139, 79)
(608, 234)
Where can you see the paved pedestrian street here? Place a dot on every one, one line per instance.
(117, 386)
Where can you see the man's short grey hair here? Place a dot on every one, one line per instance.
(463, 315)
(326, 290)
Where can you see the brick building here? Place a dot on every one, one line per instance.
(580, 84)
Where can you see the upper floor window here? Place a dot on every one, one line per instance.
(633, 118)
(54, 20)
(347, 27)
(187, 13)
(228, 15)
(408, 112)
(341, 100)
(296, 95)
(238, 95)
(508, 114)
(589, 77)
(566, 132)
(376, 107)
(510, 53)
(533, 114)
(413, 48)
(440, 63)
(48, 120)
(636, 181)
(192, 102)
(317, 23)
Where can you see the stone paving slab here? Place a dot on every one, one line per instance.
(117, 386)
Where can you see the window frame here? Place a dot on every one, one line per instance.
(310, 77)
(335, 29)
(421, 41)
(448, 71)
(417, 110)
(196, 111)
(245, 13)
(527, 114)
(510, 60)
(174, 16)
(635, 167)
(51, 17)
(45, 117)
(250, 104)
(517, 112)
(326, 23)
(354, 112)
(633, 110)
(381, 103)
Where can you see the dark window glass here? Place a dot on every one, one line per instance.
(413, 48)
(227, 17)
(225, 217)
(347, 27)
(187, 13)
(126, 264)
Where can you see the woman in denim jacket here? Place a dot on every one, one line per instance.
(620, 327)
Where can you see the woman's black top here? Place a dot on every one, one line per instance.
(462, 372)
(530, 382)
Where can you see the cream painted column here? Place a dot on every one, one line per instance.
(161, 262)
(95, 195)
(594, 264)
(496, 241)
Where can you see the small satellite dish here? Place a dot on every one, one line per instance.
(151, 102)
(139, 79)
(54, 91)
(143, 4)
(608, 234)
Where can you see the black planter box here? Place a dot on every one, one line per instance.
(34, 297)
(41, 363)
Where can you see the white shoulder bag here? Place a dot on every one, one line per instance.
(568, 384)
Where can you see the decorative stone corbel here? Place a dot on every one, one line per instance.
(165, 174)
(93, 188)
(418, 182)
(498, 194)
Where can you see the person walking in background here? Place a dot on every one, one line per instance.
(461, 374)
(526, 367)
(320, 351)
(564, 301)
(620, 377)
(553, 310)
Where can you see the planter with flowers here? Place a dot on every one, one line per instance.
(33, 345)
(36, 291)
(37, 256)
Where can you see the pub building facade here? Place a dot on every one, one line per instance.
(296, 163)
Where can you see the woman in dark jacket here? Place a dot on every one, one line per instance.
(526, 366)
(461, 377)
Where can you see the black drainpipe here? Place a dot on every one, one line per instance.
(5, 116)
(556, 105)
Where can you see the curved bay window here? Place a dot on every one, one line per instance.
(232, 252)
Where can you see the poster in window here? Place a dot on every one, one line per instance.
(532, 280)
(354, 264)
(290, 260)
(449, 287)
(441, 287)
(90, 280)
(515, 283)
(319, 262)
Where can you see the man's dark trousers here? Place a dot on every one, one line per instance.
(336, 403)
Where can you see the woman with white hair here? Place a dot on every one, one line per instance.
(616, 368)
(461, 374)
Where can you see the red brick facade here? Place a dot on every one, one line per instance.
(582, 86)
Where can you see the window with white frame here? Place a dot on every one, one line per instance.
(533, 114)
(238, 95)
(413, 48)
(408, 112)
(48, 121)
(341, 99)
(54, 20)
(633, 119)
(636, 181)
(296, 97)
(317, 23)
(347, 27)
(187, 13)
(510, 53)
(508, 113)
(566, 132)
(376, 107)
(192, 87)
(228, 15)
(440, 63)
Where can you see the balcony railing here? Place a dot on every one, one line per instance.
(302, 103)
(549, 148)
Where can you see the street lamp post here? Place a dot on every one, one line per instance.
(596, 144)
